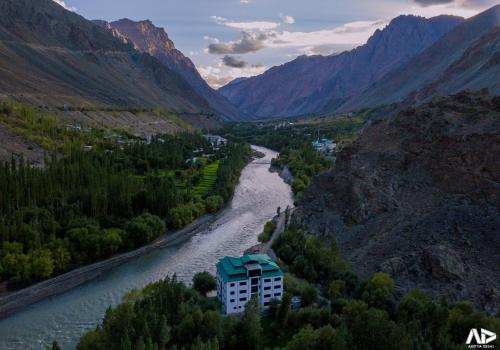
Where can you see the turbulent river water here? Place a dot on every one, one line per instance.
(66, 316)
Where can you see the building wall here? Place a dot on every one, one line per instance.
(234, 295)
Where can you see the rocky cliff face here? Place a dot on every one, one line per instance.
(322, 83)
(418, 196)
(145, 37)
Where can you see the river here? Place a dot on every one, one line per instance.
(66, 316)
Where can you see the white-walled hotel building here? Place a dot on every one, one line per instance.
(250, 276)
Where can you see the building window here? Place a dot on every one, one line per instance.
(255, 289)
(231, 285)
(267, 288)
(255, 281)
(232, 300)
(232, 292)
(243, 283)
(266, 303)
(277, 279)
(243, 299)
(267, 295)
(255, 272)
(277, 286)
(243, 291)
(267, 280)
(277, 294)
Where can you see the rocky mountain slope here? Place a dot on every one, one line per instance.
(468, 57)
(51, 56)
(322, 83)
(145, 37)
(418, 196)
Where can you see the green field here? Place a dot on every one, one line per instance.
(208, 180)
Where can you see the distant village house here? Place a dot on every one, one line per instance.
(324, 146)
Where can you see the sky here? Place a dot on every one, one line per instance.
(227, 39)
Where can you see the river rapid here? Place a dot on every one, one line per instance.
(65, 317)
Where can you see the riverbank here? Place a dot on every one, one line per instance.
(66, 316)
(281, 220)
(14, 301)
(284, 172)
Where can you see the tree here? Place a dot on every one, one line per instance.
(143, 229)
(372, 329)
(42, 264)
(284, 310)
(55, 346)
(309, 295)
(249, 328)
(204, 282)
(378, 291)
(336, 289)
(214, 203)
(164, 336)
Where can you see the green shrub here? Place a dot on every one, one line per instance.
(269, 229)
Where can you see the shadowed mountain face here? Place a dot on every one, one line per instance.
(417, 196)
(145, 37)
(322, 83)
(468, 57)
(50, 56)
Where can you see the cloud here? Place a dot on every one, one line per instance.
(63, 4)
(348, 35)
(217, 82)
(431, 8)
(287, 19)
(254, 25)
(231, 61)
(217, 77)
(432, 2)
(250, 42)
(466, 4)
(244, 1)
(325, 50)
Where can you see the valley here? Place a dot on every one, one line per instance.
(67, 316)
(350, 179)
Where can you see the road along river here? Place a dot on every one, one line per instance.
(68, 315)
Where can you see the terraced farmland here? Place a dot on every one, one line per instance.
(208, 181)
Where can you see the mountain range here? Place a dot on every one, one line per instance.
(467, 57)
(54, 57)
(412, 57)
(145, 37)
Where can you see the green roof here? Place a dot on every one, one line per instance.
(233, 269)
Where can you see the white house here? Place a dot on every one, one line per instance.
(242, 279)
(216, 141)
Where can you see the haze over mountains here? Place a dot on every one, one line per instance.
(51, 56)
(408, 47)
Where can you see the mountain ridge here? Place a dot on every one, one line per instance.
(146, 37)
(54, 57)
(430, 66)
(307, 84)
